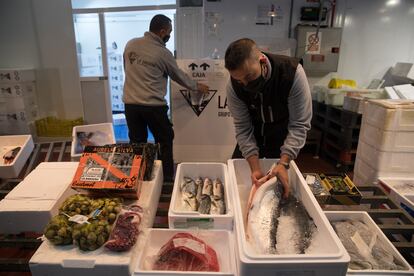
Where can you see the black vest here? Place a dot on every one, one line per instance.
(269, 108)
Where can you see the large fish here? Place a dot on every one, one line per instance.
(276, 225)
(295, 227)
(262, 218)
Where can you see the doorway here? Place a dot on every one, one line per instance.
(101, 35)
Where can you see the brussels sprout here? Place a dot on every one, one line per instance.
(101, 240)
(91, 237)
(62, 232)
(50, 234)
(76, 234)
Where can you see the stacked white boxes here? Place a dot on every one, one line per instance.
(386, 141)
(18, 103)
(328, 256)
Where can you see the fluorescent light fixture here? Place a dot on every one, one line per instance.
(391, 3)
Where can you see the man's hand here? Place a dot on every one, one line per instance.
(202, 88)
(256, 176)
(281, 173)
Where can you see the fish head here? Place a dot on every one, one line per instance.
(10, 155)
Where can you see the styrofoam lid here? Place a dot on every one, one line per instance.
(393, 104)
(13, 205)
(43, 184)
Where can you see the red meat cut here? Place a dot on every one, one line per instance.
(184, 252)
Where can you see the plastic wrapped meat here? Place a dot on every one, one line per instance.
(365, 249)
(125, 231)
(184, 252)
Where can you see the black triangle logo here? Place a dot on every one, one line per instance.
(197, 101)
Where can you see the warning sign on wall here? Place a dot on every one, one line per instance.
(313, 43)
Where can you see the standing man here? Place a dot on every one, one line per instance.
(148, 63)
(269, 98)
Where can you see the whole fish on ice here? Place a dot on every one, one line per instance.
(189, 193)
(276, 225)
(217, 200)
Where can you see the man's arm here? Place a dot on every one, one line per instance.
(244, 132)
(176, 74)
(300, 115)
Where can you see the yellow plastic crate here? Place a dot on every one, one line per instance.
(54, 127)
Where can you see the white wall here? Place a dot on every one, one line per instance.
(56, 38)
(39, 34)
(18, 48)
(237, 19)
(375, 37)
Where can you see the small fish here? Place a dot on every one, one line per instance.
(9, 156)
(205, 205)
(199, 184)
(188, 193)
(218, 189)
(207, 187)
(191, 202)
(218, 207)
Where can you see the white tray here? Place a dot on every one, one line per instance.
(328, 256)
(9, 142)
(220, 240)
(106, 128)
(404, 200)
(364, 217)
(178, 218)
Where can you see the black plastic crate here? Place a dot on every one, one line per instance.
(344, 141)
(344, 117)
(347, 133)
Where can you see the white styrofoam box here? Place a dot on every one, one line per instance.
(391, 93)
(328, 256)
(150, 194)
(405, 91)
(365, 218)
(35, 200)
(178, 218)
(354, 104)
(16, 75)
(69, 260)
(364, 174)
(393, 115)
(10, 142)
(382, 140)
(337, 96)
(404, 199)
(221, 241)
(107, 136)
(386, 161)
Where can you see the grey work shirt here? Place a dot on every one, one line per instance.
(300, 115)
(148, 63)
